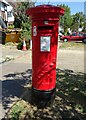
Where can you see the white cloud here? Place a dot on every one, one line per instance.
(59, 1)
(42, 1)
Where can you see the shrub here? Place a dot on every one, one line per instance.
(20, 46)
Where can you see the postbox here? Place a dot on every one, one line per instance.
(45, 20)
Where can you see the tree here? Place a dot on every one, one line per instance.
(21, 19)
(66, 20)
(78, 21)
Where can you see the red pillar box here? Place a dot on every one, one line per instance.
(45, 20)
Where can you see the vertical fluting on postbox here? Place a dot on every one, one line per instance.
(45, 20)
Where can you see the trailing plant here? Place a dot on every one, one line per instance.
(15, 113)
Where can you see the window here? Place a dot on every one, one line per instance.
(2, 6)
(73, 34)
(9, 14)
(80, 34)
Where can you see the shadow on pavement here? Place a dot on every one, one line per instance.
(14, 87)
(70, 93)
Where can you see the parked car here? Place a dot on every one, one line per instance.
(75, 36)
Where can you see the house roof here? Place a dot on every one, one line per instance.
(4, 1)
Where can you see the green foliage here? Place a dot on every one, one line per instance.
(11, 26)
(20, 45)
(26, 30)
(79, 108)
(74, 22)
(66, 20)
(16, 112)
(25, 22)
(78, 21)
(23, 19)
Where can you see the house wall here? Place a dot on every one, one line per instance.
(10, 14)
(3, 12)
(4, 9)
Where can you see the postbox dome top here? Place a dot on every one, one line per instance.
(41, 11)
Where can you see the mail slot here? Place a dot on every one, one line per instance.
(45, 27)
(45, 22)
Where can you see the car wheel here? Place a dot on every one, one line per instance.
(65, 40)
(84, 40)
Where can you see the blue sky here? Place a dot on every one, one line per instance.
(75, 5)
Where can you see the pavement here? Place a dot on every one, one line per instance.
(13, 62)
(16, 71)
(72, 60)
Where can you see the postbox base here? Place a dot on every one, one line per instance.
(43, 98)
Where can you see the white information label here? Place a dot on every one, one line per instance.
(45, 43)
